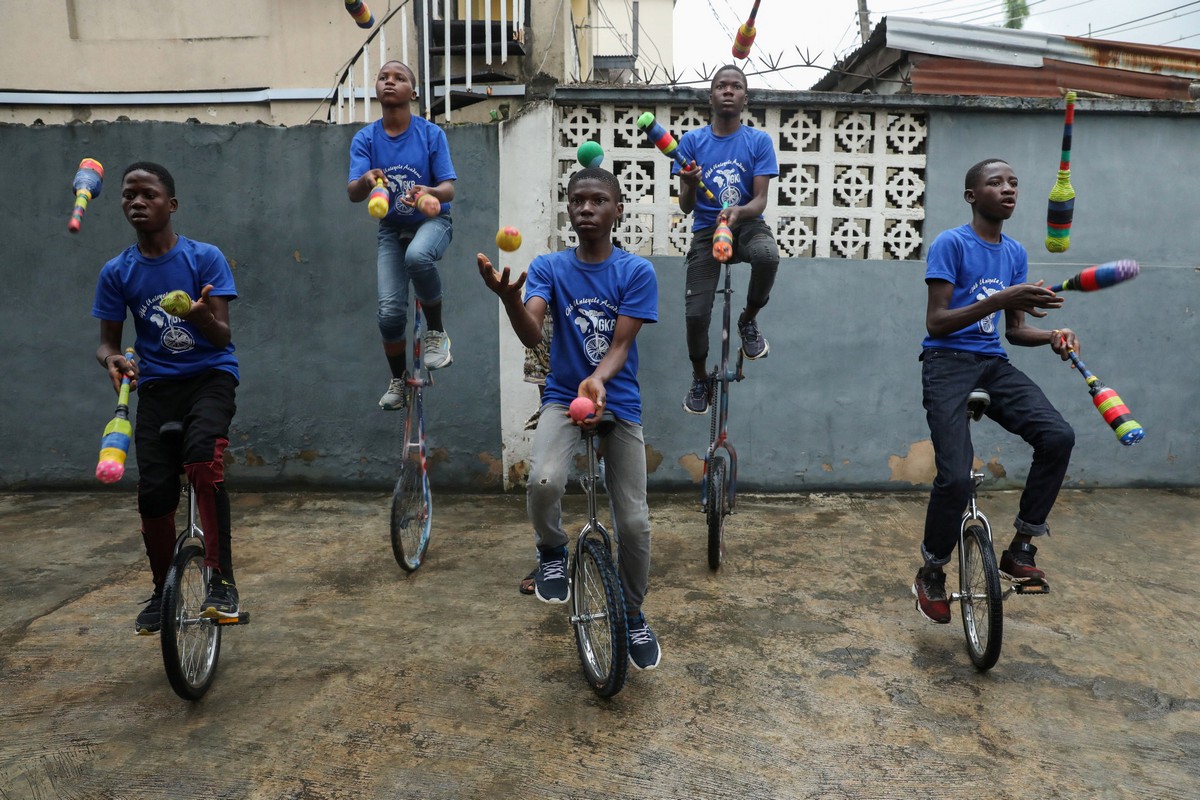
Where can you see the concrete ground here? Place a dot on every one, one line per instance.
(799, 670)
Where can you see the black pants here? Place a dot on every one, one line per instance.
(205, 404)
(1020, 407)
(753, 243)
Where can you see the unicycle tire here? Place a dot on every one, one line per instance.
(412, 502)
(981, 598)
(716, 509)
(191, 645)
(598, 617)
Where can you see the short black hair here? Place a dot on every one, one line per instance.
(598, 174)
(727, 67)
(976, 172)
(412, 76)
(154, 169)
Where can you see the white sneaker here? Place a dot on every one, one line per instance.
(435, 350)
(395, 398)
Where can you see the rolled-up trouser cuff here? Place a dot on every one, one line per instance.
(1026, 529)
(933, 561)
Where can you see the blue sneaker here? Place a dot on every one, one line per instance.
(644, 652)
(551, 584)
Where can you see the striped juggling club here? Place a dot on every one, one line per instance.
(744, 39)
(1110, 405)
(1061, 209)
(1100, 276)
(666, 144)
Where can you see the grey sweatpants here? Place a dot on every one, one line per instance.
(554, 443)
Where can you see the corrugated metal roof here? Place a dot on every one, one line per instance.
(945, 58)
(935, 75)
(1031, 49)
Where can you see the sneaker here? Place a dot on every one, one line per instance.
(149, 619)
(435, 350)
(1016, 564)
(930, 591)
(754, 346)
(222, 600)
(396, 396)
(644, 652)
(696, 401)
(551, 584)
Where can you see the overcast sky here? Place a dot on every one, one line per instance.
(829, 30)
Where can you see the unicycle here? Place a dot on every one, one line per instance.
(412, 503)
(191, 644)
(597, 599)
(718, 488)
(978, 575)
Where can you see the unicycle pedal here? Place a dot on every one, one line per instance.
(243, 618)
(1040, 587)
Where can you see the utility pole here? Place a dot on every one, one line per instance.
(864, 20)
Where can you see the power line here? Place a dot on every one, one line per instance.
(1148, 16)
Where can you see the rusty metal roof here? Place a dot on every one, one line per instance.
(926, 57)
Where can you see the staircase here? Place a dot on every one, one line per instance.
(459, 62)
(468, 61)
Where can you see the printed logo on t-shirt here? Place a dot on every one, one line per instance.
(595, 318)
(982, 291)
(174, 336)
(399, 181)
(728, 177)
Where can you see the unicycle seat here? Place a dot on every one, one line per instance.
(977, 403)
(608, 421)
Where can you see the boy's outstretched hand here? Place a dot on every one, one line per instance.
(1031, 298)
(499, 282)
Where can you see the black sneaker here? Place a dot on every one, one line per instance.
(644, 652)
(930, 591)
(222, 600)
(149, 619)
(753, 344)
(696, 401)
(551, 584)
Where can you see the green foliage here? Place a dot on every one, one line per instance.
(1015, 13)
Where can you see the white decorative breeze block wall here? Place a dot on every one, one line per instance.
(851, 183)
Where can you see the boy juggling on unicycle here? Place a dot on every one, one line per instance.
(973, 272)
(410, 157)
(738, 162)
(600, 297)
(185, 372)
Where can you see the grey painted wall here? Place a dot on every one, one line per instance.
(274, 200)
(836, 406)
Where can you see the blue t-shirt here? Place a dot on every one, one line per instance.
(418, 157)
(585, 300)
(167, 347)
(977, 269)
(729, 166)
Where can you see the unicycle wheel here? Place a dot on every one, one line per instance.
(716, 509)
(981, 598)
(598, 617)
(191, 645)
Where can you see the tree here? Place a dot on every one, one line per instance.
(1015, 13)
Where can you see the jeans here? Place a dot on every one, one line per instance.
(554, 442)
(1020, 407)
(404, 254)
(753, 243)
